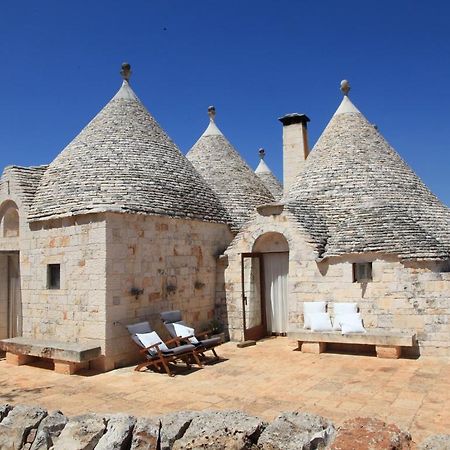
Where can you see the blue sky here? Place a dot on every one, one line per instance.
(254, 60)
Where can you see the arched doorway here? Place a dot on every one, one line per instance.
(264, 287)
(10, 285)
(274, 249)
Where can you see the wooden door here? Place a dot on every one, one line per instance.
(254, 311)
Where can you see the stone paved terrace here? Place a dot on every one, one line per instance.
(262, 380)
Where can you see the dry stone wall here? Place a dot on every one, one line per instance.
(33, 428)
(403, 296)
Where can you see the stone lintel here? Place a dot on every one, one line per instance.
(270, 209)
(65, 351)
(372, 337)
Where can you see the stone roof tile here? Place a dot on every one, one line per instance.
(27, 179)
(123, 161)
(238, 188)
(355, 194)
(268, 178)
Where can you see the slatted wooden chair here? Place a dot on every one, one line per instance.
(201, 341)
(157, 353)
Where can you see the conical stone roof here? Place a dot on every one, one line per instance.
(268, 178)
(123, 161)
(238, 188)
(355, 194)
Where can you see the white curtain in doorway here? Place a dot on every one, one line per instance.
(276, 268)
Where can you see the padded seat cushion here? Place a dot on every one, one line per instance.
(171, 316)
(211, 342)
(179, 350)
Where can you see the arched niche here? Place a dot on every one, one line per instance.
(9, 219)
(271, 242)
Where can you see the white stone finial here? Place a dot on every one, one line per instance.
(262, 153)
(126, 71)
(345, 87)
(211, 113)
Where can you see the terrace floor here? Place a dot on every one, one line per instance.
(263, 380)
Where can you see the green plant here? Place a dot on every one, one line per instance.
(216, 326)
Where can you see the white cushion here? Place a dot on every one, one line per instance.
(184, 331)
(148, 339)
(345, 308)
(311, 308)
(320, 322)
(352, 324)
(338, 318)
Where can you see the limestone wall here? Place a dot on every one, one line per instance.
(76, 311)
(402, 296)
(172, 260)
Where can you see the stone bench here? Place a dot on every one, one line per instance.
(68, 357)
(387, 344)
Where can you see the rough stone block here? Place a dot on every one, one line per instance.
(81, 432)
(313, 347)
(217, 430)
(388, 352)
(16, 426)
(68, 367)
(49, 429)
(18, 360)
(370, 434)
(118, 433)
(295, 430)
(102, 364)
(4, 411)
(436, 442)
(173, 427)
(146, 434)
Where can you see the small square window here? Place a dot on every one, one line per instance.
(362, 272)
(53, 276)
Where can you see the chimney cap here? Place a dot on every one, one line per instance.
(290, 119)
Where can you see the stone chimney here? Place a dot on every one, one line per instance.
(295, 146)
